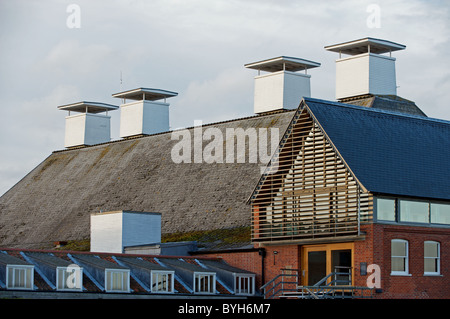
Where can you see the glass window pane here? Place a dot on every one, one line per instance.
(19, 278)
(61, 278)
(398, 264)
(431, 249)
(10, 277)
(440, 213)
(398, 249)
(431, 265)
(386, 209)
(413, 211)
(28, 278)
(169, 283)
(124, 282)
(108, 280)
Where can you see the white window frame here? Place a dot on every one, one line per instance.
(109, 285)
(438, 259)
(28, 284)
(198, 276)
(66, 272)
(406, 271)
(238, 290)
(169, 284)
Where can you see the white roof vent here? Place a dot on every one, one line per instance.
(112, 231)
(283, 86)
(88, 127)
(366, 70)
(145, 115)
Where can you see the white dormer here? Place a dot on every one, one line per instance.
(282, 87)
(145, 114)
(365, 70)
(87, 126)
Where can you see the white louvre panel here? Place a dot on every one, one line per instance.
(143, 118)
(283, 87)
(365, 70)
(144, 115)
(112, 231)
(87, 126)
(365, 74)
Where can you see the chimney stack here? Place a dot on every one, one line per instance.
(365, 70)
(88, 127)
(283, 86)
(145, 115)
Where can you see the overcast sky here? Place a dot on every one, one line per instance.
(197, 48)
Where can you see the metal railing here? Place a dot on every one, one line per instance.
(331, 292)
(337, 284)
(285, 282)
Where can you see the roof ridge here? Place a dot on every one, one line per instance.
(375, 110)
(178, 129)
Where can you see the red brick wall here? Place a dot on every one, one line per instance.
(247, 260)
(286, 257)
(377, 249)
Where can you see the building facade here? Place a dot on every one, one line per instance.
(351, 189)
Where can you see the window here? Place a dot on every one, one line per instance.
(431, 258)
(162, 281)
(386, 209)
(440, 213)
(19, 277)
(69, 278)
(117, 280)
(244, 285)
(399, 257)
(204, 282)
(414, 211)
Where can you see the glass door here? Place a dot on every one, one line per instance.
(317, 266)
(341, 263)
(318, 261)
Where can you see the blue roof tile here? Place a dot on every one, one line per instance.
(389, 152)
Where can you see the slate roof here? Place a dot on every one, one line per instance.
(43, 281)
(54, 201)
(389, 152)
(385, 102)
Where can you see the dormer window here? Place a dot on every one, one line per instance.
(117, 280)
(69, 278)
(20, 276)
(162, 281)
(205, 283)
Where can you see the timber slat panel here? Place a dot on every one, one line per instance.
(310, 192)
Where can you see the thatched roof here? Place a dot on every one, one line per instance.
(54, 201)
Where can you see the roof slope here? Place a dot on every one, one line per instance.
(55, 200)
(389, 152)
